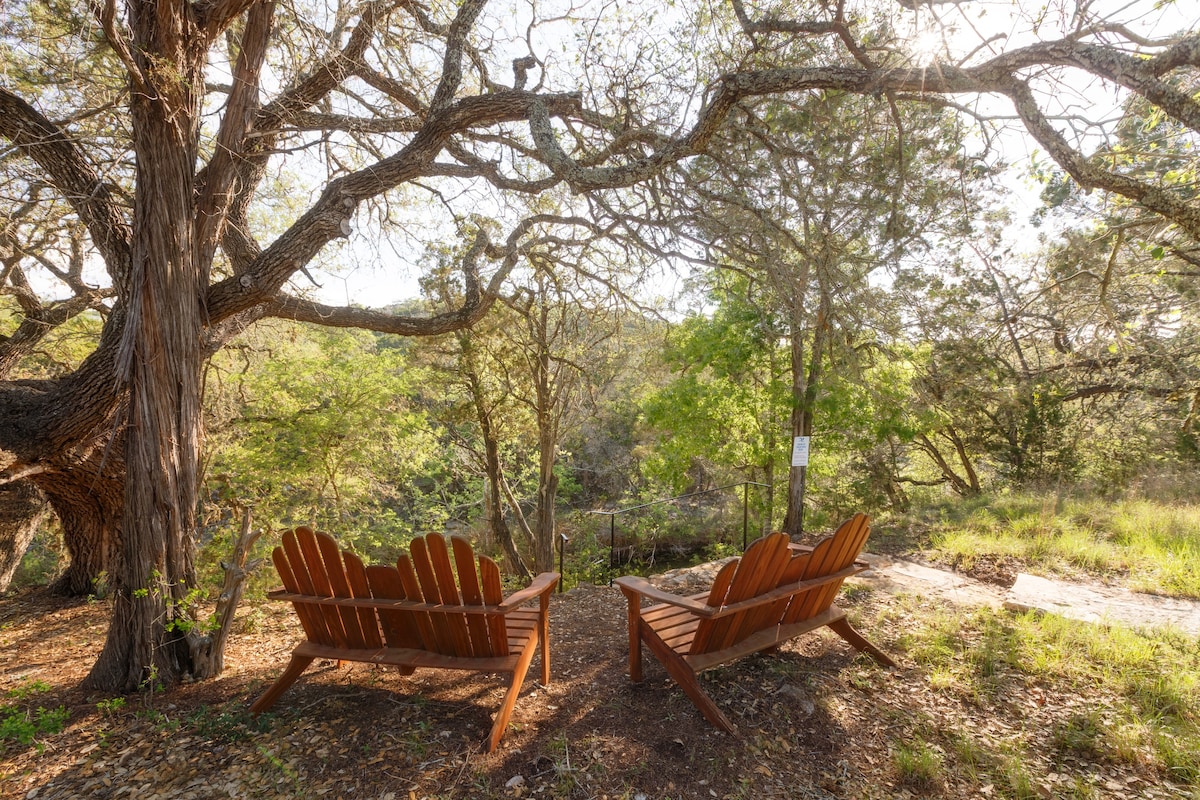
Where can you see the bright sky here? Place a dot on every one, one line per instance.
(948, 31)
(369, 271)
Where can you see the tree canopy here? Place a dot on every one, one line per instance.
(177, 167)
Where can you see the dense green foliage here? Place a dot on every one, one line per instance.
(321, 427)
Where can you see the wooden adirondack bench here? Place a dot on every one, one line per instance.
(774, 592)
(415, 614)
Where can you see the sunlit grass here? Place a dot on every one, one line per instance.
(1143, 690)
(1146, 545)
(917, 764)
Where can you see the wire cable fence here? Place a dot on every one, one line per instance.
(614, 559)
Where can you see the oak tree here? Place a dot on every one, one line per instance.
(160, 151)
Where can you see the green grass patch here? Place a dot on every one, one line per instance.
(917, 764)
(1149, 546)
(1146, 687)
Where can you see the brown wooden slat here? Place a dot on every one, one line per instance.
(656, 615)
(720, 587)
(399, 627)
(291, 546)
(401, 657)
(311, 553)
(443, 570)
(679, 637)
(830, 555)
(794, 573)
(774, 565)
(493, 594)
(758, 569)
(356, 577)
(848, 542)
(291, 542)
(339, 586)
(777, 634)
(320, 582)
(716, 598)
(310, 621)
(424, 570)
(412, 589)
(454, 623)
(814, 601)
(472, 594)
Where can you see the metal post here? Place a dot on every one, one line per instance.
(745, 512)
(612, 546)
(562, 548)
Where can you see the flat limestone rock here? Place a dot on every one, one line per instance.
(1092, 603)
(900, 576)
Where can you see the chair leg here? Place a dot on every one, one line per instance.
(678, 669)
(294, 669)
(510, 698)
(844, 629)
(635, 641)
(544, 634)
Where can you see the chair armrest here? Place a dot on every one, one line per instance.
(541, 585)
(631, 584)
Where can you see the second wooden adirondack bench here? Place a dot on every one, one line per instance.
(424, 612)
(774, 592)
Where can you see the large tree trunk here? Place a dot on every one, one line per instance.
(548, 397)
(543, 554)
(493, 469)
(61, 433)
(22, 509)
(160, 360)
(806, 380)
(495, 483)
(88, 501)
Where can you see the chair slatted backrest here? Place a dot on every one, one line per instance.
(758, 570)
(400, 628)
(768, 564)
(832, 554)
(428, 576)
(310, 563)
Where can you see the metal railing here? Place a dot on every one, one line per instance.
(612, 517)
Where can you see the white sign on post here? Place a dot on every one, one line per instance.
(800, 451)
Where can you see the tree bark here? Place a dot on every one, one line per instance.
(160, 360)
(22, 509)
(88, 503)
(806, 380)
(493, 469)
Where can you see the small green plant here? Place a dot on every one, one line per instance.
(111, 706)
(1015, 775)
(226, 725)
(27, 690)
(158, 719)
(971, 755)
(715, 551)
(25, 727)
(918, 765)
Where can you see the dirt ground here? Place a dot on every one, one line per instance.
(815, 720)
